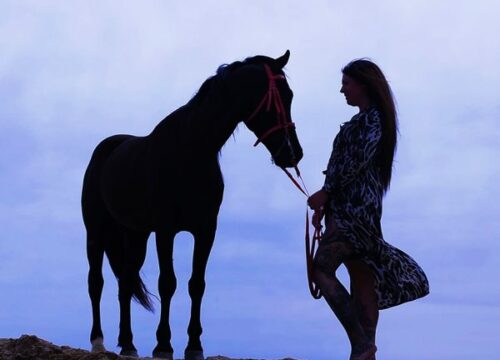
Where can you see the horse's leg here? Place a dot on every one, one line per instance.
(95, 253)
(167, 284)
(203, 241)
(133, 259)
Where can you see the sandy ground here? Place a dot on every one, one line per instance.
(31, 347)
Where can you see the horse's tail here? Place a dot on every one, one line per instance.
(116, 254)
(141, 294)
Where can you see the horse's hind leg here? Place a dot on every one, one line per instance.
(167, 284)
(95, 253)
(203, 241)
(134, 253)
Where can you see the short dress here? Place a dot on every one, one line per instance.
(354, 184)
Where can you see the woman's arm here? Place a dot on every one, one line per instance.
(360, 147)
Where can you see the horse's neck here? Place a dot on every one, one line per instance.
(216, 125)
(200, 128)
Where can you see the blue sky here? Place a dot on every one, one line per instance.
(72, 73)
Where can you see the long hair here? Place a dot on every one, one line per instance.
(367, 73)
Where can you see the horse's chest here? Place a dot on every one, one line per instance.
(188, 188)
(187, 195)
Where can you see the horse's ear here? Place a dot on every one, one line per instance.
(282, 60)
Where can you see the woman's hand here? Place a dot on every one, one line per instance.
(317, 200)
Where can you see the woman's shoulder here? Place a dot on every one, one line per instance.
(372, 115)
(372, 110)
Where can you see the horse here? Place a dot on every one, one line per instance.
(170, 181)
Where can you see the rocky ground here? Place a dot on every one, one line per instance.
(31, 347)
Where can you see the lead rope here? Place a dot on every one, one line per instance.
(272, 97)
(311, 246)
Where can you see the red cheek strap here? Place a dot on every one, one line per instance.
(273, 129)
(273, 97)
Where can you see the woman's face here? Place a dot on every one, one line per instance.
(353, 91)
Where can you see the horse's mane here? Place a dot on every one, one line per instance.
(223, 71)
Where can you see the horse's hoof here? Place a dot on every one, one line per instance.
(129, 353)
(98, 345)
(163, 355)
(193, 355)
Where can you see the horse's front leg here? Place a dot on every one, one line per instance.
(167, 284)
(203, 241)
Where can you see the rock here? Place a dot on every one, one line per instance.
(29, 347)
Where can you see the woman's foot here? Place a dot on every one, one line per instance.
(367, 352)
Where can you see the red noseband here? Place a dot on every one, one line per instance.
(273, 96)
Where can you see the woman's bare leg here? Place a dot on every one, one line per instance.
(327, 260)
(364, 296)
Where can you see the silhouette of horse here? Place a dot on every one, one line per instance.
(170, 181)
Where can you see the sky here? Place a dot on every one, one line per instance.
(75, 72)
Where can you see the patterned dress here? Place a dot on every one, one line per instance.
(353, 182)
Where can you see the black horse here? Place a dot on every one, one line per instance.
(170, 181)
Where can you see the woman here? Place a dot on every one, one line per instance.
(357, 177)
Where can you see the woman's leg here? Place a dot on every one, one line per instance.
(327, 260)
(364, 296)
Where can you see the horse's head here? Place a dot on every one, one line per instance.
(266, 101)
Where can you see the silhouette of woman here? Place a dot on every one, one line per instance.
(357, 177)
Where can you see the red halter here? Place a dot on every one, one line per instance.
(272, 96)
